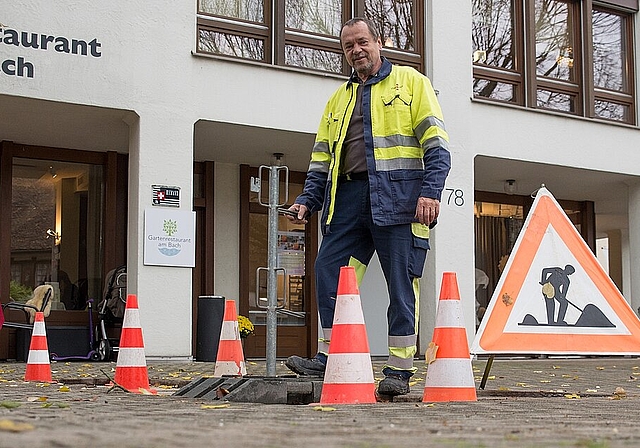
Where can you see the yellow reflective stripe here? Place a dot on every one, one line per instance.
(416, 294)
(398, 152)
(360, 267)
(420, 230)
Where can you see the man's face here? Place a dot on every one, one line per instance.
(361, 49)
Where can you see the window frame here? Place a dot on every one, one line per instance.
(276, 36)
(525, 81)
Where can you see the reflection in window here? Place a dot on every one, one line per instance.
(554, 44)
(556, 101)
(251, 10)
(56, 229)
(492, 31)
(493, 89)
(607, 51)
(313, 59)
(314, 16)
(231, 45)
(394, 19)
(611, 111)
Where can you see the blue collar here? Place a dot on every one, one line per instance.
(385, 70)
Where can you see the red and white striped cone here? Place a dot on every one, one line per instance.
(230, 359)
(348, 378)
(38, 366)
(131, 368)
(450, 376)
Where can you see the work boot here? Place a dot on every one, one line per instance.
(394, 384)
(305, 366)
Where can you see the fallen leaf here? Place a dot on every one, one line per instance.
(64, 389)
(32, 399)
(599, 368)
(215, 406)
(619, 393)
(10, 425)
(545, 381)
(10, 404)
(430, 354)
(572, 396)
(324, 408)
(507, 299)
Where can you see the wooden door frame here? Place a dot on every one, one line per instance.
(114, 218)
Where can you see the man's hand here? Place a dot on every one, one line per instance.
(302, 214)
(427, 210)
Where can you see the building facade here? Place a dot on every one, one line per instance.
(102, 107)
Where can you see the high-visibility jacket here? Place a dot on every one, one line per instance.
(406, 145)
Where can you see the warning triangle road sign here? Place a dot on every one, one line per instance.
(554, 297)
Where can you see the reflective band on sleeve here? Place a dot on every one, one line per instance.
(429, 122)
(449, 314)
(435, 142)
(450, 373)
(348, 368)
(38, 357)
(131, 357)
(320, 167)
(321, 147)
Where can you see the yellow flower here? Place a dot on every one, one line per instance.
(245, 326)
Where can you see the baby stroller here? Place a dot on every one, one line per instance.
(111, 312)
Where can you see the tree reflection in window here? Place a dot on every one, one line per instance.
(554, 42)
(230, 45)
(314, 16)
(251, 10)
(492, 33)
(394, 19)
(608, 69)
(313, 59)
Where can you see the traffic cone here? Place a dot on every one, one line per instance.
(230, 359)
(348, 378)
(131, 368)
(450, 375)
(38, 366)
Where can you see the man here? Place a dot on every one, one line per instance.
(377, 170)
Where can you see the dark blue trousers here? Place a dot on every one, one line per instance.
(351, 234)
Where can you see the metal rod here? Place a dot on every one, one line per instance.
(272, 279)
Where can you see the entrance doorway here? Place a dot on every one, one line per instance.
(297, 247)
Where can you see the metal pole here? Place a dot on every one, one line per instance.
(272, 279)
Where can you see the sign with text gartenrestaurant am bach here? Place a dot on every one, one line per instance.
(169, 237)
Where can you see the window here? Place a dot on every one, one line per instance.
(568, 56)
(305, 33)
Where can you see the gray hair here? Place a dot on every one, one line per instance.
(372, 27)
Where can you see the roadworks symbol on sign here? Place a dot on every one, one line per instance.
(554, 297)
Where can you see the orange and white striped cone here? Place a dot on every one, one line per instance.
(450, 375)
(348, 378)
(38, 366)
(131, 367)
(230, 359)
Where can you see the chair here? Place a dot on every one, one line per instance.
(40, 302)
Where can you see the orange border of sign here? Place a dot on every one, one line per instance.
(493, 337)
